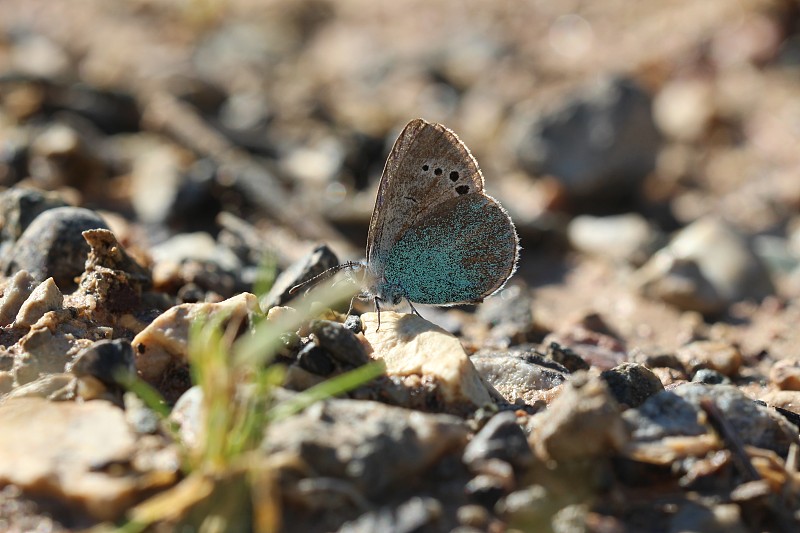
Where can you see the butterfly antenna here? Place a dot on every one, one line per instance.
(323, 276)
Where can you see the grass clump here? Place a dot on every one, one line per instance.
(229, 484)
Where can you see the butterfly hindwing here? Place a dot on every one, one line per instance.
(460, 253)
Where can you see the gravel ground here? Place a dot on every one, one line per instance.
(163, 163)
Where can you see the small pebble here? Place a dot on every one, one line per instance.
(319, 260)
(110, 361)
(785, 374)
(629, 237)
(339, 342)
(413, 347)
(632, 383)
(599, 142)
(710, 377)
(566, 357)
(473, 516)
(721, 356)
(485, 490)
(582, 422)
(315, 359)
(16, 292)
(501, 438)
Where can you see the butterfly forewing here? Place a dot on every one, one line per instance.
(428, 166)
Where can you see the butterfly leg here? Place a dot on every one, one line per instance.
(378, 310)
(350, 309)
(413, 309)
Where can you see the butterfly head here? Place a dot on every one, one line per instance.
(391, 294)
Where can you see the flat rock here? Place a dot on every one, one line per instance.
(58, 449)
(412, 346)
(518, 377)
(677, 413)
(373, 446)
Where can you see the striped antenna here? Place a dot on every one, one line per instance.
(324, 275)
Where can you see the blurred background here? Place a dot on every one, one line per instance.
(279, 114)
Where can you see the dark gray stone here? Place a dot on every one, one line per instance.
(677, 412)
(501, 438)
(416, 515)
(710, 377)
(315, 263)
(353, 323)
(565, 357)
(485, 490)
(315, 359)
(601, 142)
(110, 361)
(376, 447)
(340, 342)
(19, 207)
(632, 383)
(53, 245)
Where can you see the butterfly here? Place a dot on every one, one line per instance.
(435, 237)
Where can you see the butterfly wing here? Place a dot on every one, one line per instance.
(461, 252)
(428, 165)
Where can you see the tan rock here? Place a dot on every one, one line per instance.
(58, 449)
(785, 374)
(721, 356)
(45, 297)
(42, 351)
(49, 386)
(15, 293)
(412, 346)
(785, 399)
(6, 381)
(166, 340)
(584, 421)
